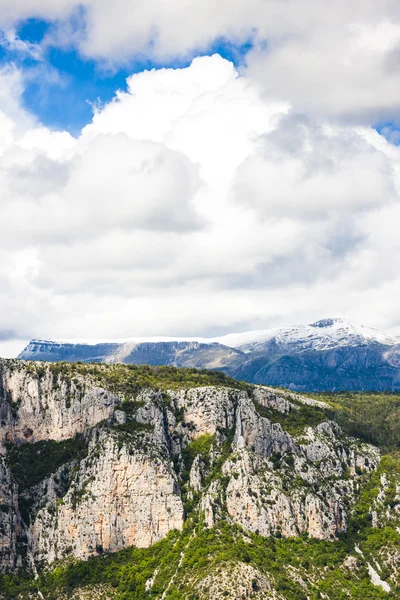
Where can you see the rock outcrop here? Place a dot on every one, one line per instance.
(89, 466)
(36, 404)
(10, 520)
(120, 495)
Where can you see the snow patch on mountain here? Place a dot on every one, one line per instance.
(322, 335)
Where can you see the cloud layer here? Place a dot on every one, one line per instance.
(193, 204)
(339, 60)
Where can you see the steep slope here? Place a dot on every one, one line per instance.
(332, 354)
(340, 369)
(199, 473)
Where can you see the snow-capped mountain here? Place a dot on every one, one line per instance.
(328, 354)
(322, 335)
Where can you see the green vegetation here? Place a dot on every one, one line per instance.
(31, 463)
(133, 426)
(319, 564)
(298, 568)
(201, 447)
(295, 421)
(211, 468)
(372, 417)
(131, 406)
(361, 526)
(128, 380)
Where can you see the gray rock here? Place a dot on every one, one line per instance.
(127, 489)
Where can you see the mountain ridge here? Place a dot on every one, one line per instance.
(331, 354)
(334, 328)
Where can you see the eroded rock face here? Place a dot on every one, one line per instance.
(281, 485)
(271, 502)
(207, 409)
(259, 434)
(147, 452)
(10, 521)
(36, 408)
(121, 495)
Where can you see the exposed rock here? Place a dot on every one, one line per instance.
(196, 474)
(130, 486)
(10, 520)
(207, 409)
(119, 417)
(209, 504)
(121, 495)
(269, 398)
(34, 408)
(257, 433)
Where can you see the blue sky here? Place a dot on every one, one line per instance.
(61, 87)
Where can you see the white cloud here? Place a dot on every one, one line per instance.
(14, 119)
(11, 11)
(339, 59)
(342, 68)
(193, 204)
(12, 43)
(305, 170)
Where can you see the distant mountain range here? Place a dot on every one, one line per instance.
(331, 354)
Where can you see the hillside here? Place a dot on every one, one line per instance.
(329, 355)
(132, 482)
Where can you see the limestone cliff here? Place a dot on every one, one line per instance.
(91, 465)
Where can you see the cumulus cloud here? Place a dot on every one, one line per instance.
(106, 182)
(307, 170)
(193, 204)
(338, 60)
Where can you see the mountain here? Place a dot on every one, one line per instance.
(331, 354)
(174, 353)
(131, 482)
(322, 335)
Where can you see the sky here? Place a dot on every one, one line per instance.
(194, 168)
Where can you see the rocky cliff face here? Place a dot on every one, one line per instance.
(89, 465)
(122, 494)
(36, 405)
(10, 520)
